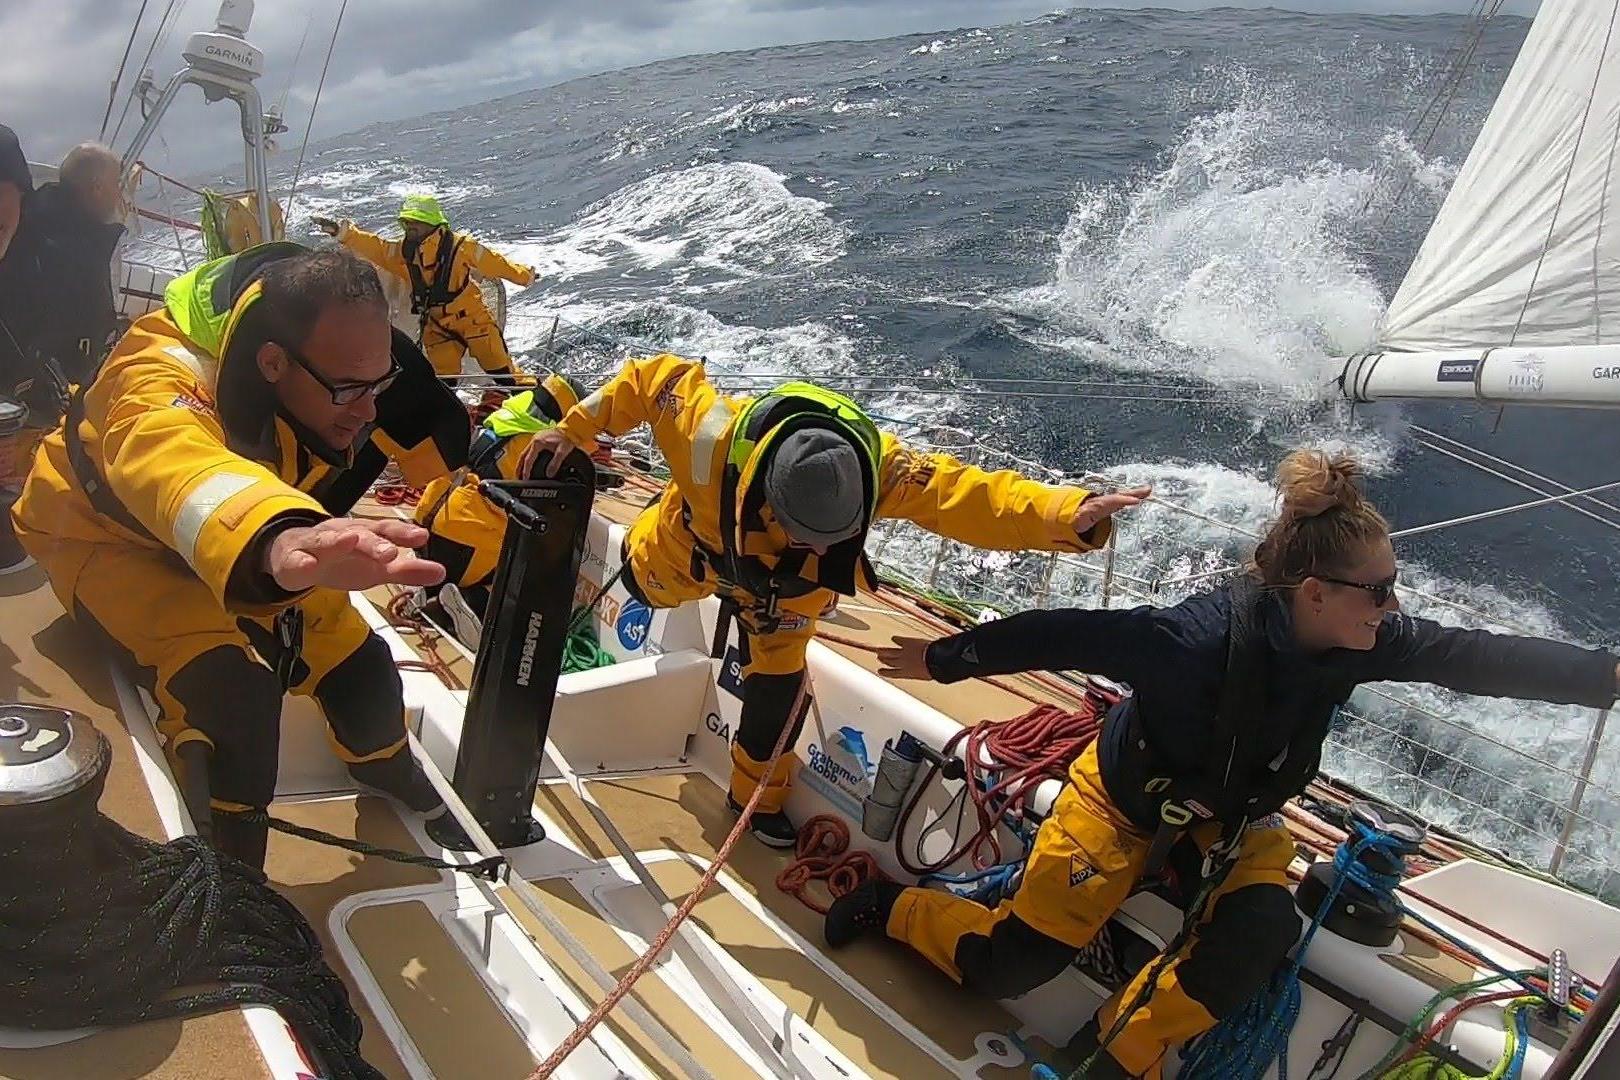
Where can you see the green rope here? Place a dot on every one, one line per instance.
(581, 652)
(1414, 1030)
(1508, 1066)
(213, 228)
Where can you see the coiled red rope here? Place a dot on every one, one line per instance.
(1006, 761)
(823, 855)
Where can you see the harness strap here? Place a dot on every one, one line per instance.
(1242, 699)
(89, 478)
(436, 293)
(289, 628)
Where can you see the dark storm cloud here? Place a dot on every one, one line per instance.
(398, 58)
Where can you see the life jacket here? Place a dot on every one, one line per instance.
(1225, 788)
(524, 413)
(420, 422)
(436, 292)
(757, 430)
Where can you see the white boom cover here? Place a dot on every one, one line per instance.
(1522, 252)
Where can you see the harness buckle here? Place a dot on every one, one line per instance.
(289, 630)
(1175, 814)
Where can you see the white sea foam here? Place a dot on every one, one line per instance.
(1234, 261)
(734, 220)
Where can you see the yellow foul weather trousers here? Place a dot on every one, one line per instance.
(1085, 861)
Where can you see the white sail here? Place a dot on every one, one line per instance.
(1522, 253)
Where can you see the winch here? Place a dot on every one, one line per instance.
(46, 755)
(1372, 862)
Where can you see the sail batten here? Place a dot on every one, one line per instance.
(1520, 253)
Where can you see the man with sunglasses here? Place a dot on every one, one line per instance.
(193, 506)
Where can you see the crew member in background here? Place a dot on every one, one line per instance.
(466, 528)
(16, 362)
(15, 184)
(439, 264)
(1234, 692)
(192, 505)
(57, 310)
(70, 230)
(769, 505)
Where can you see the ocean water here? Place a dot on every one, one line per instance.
(1176, 220)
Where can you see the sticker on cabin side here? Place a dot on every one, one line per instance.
(841, 771)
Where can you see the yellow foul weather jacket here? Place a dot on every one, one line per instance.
(455, 317)
(694, 426)
(181, 452)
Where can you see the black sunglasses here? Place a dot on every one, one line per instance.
(1380, 591)
(344, 393)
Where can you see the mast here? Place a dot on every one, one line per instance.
(224, 65)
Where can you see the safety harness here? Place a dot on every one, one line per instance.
(758, 427)
(436, 293)
(1209, 795)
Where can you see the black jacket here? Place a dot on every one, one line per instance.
(77, 319)
(1174, 658)
(56, 301)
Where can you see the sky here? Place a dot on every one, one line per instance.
(400, 58)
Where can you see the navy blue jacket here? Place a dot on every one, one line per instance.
(1174, 658)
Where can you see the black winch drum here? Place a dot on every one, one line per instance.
(46, 755)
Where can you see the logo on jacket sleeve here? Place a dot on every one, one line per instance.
(193, 400)
(1080, 871)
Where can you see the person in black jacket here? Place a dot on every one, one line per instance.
(1199, 755)
(70, 229)
(15, 185)
(57, 316)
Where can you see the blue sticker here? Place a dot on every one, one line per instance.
(842, 770)
(731, 680)
(635, 620)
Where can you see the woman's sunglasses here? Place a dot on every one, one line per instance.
(1380, 591)
(346, 393)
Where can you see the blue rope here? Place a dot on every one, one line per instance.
(1243, 1046)
(988, 886)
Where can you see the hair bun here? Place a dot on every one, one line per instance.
(1313, 483)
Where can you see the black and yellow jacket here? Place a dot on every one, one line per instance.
(178, 444)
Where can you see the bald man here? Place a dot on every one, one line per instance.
(70, 229)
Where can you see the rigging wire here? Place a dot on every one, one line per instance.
(1438, 106)
(158, 36)
(292, 194)
(292, 70)
(112, 91)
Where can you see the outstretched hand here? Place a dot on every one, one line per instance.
(350, 554)
(907, 658)
(329, 226)
(554, 441)
(1105, 505)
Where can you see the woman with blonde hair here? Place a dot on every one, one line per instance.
(1233, 693)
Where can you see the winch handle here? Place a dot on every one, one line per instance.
(949, 765)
